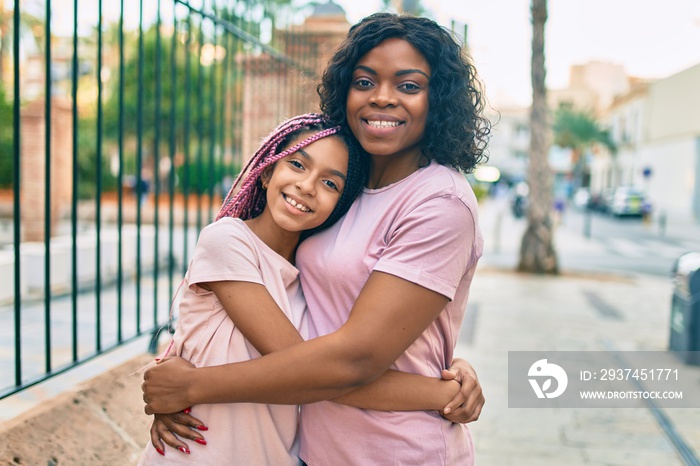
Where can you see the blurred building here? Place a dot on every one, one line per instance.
(657, 129)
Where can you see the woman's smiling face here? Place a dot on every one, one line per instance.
(387, 103)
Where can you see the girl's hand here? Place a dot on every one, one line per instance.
(165, 427)
(166, 386)
(467, 404)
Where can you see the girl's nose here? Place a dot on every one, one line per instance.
(306, 185)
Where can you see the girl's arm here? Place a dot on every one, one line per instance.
(377, 332)
(253, 310)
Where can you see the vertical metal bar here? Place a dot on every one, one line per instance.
(172, 149)
(120, 177)
(186, 145)
(200, 124)
(74, 200)
(213, 168)
(47, 190)
(223, 110)
(98, 194)
(139, 163)
(156, 161)
(16, 183)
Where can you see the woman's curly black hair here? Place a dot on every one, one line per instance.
(456, 133)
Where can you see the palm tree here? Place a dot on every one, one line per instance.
(537, 254)
(579, 131)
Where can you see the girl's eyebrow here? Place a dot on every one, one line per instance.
(333, 172)
(398, 73)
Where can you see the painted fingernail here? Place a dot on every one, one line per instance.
(160, 451)
(187, 410)
(202, 428)
(157, 359)
(184, 450)
(200, 441)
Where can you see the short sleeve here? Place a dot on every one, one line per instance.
(225, 252)
(433, 245)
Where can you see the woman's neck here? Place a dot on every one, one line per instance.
(385, 170)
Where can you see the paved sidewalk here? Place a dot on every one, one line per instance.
(576, 311)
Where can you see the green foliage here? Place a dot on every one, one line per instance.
(579, 130)
(6, 143)
(87, 161)
(197, 178)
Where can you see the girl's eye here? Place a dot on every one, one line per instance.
(296, 163)
(331, 184)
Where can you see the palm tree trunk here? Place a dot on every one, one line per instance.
(537, 253)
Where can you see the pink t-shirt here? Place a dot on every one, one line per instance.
(239, 433)
(423, 229)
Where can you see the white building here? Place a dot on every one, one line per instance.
(657, 129)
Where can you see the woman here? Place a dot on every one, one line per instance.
(387, 286)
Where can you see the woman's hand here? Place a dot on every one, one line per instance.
(467, 404)
(166, 386)
(165, 427)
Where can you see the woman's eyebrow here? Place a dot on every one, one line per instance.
(334, 172)
(403, 72)
(366, 68)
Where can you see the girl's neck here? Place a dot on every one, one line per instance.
(388, 169)
(281, 241)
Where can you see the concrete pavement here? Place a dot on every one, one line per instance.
(577, 311)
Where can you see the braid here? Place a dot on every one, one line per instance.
(249, 201)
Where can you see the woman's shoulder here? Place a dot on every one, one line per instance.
(443, 181)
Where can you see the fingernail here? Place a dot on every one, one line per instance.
(200, 441)
(184, 450)
(157, 359)
(187, 410)
(447, 410)
(160, 451)
(202, 428)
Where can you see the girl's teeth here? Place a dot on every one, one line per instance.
(297, 206)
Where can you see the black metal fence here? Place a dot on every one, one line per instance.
(118, 136)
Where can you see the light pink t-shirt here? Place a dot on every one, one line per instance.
(423, 229)
(239, 433)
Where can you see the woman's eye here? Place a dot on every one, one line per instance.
(363, 83)
(296, 164)
(410, 87)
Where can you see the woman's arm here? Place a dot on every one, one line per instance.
(377, 332)
(264, 325)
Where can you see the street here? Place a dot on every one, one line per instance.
(615, 245)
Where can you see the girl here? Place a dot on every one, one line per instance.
(387, 286)
(301, 180)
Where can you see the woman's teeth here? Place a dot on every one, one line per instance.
(383, 124)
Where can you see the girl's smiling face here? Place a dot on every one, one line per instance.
(304, 187)
(387, 103)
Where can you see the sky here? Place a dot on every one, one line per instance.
(650, 38)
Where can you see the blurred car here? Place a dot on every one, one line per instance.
(581, 198)
(627, 200)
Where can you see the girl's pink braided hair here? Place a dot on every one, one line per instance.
(249, 201)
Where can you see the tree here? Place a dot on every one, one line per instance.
(412, 7)
(537, 254)
(579, 131)
(6, 143)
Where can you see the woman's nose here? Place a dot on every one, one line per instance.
(384, 96)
